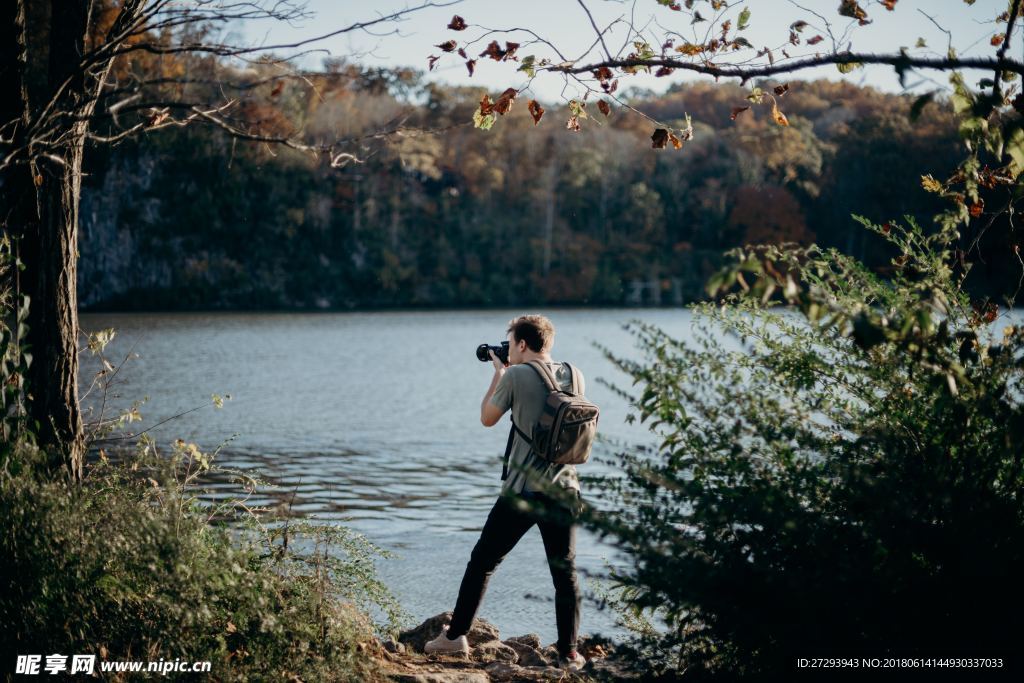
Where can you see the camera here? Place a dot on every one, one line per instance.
(500, 351)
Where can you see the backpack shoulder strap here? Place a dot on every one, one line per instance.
(546, 375)
(575, 379)
(508, 452)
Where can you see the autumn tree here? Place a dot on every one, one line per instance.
(768, 215)
(80, 70)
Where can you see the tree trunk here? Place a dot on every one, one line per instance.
(39, 205)
(49, 251)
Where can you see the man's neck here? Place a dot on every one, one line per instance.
(533, 355)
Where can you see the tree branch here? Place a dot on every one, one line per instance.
(1001, 53)
(899, 61)
(227, 50)
(599, 32)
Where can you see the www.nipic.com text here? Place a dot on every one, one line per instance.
(86, 664)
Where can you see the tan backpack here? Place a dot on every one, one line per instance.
(565, 433)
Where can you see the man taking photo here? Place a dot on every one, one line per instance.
(534, 490)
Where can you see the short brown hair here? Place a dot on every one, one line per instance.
(536, 330)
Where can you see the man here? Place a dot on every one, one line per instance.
(533, 492)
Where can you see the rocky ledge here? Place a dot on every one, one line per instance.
(522, 658)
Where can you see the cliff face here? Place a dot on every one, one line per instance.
(113, 216)
(178, 224)
(186, 228)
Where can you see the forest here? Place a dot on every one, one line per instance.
(446, 215)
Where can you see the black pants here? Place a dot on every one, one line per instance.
(505, 525)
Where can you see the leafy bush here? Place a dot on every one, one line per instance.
(128, 567)
(13, 358)
(839, 477)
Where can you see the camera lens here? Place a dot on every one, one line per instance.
(501, 351)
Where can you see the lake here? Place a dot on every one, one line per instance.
(372, 419)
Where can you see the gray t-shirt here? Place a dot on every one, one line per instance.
(522, 390)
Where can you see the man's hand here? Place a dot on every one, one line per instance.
(498, 364)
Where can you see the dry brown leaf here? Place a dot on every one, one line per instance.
(536, 111)
(505, 100)
(779, 117)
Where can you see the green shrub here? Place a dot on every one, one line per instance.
(13, 358)
(132, 565)
(839, 477)
(128, 567)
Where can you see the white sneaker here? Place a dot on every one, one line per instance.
(444, 645)
(574, 662)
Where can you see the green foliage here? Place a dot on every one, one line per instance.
(744, 19)
(528, 66)
(616, 594)
(129, 567)
(993, 135)
(483, 121)
(15, 432)
(842, 476)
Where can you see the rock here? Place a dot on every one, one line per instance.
(611, 670)
(506, 671)
(530, 639)
(595, 647)
(448, 677)
(481, 632)
(528, 650)
(494, 650)
(393, 646)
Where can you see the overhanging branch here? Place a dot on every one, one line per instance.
(900, 62)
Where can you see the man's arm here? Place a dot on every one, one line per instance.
(490, 413)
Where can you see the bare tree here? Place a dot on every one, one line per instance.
(59, 79)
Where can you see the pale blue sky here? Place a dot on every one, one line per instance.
(564, 23)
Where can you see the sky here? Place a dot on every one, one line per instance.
(565, 23)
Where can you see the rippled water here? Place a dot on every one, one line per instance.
(373, 418)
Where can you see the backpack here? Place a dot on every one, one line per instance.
(567, 427)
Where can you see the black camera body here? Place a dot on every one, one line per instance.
(500, 351)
